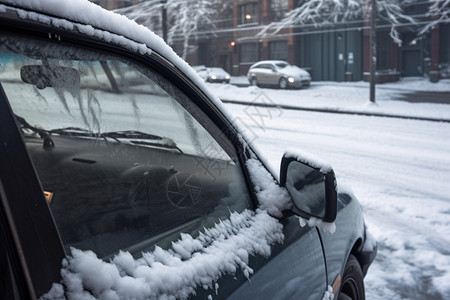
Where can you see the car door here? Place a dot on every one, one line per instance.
(295, 269)
(272, 75)
(129, 157)
(265, 74)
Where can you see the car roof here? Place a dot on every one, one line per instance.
(216, 69)
(270, 62)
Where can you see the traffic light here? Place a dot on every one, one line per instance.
(233, 46)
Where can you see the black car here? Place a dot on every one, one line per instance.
(121, 177)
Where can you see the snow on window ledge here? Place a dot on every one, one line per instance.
(271, 196)
(173, 273)
(190, 263)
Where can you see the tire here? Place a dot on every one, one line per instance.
(352, 286)
(283, 84)
(254, 81)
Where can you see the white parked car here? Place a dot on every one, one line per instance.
(278, 73)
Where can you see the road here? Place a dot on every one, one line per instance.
(400, 171)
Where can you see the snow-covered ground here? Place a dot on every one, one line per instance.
(346, 96)
(419, 84)
(399, 169)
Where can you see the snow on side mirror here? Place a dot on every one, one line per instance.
(311, 184)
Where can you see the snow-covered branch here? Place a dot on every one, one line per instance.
(439, 12)
(326, 12)
(184, 18)
(392, 12)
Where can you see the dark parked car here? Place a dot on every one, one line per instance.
(278, 73)
(121, 177)
(218, 75)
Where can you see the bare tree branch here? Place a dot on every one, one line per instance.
(326, 12)
(439, 12)
(185, 18)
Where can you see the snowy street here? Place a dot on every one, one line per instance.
(399, 169)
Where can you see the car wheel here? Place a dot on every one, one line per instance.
(254, 81)
(283, 83)
(352, 286)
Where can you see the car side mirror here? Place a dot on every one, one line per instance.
(312, 186)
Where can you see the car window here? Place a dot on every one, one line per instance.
(263, 66)
(126, 160)
(281, 65)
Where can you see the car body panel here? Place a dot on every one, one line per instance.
(284, 276)
(349, 233)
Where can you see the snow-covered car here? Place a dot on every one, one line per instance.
(218, 75)
(202, 71)
(278, 73)
(122, 177)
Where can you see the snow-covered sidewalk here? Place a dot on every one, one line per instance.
(352, 97)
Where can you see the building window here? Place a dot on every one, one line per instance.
(279, 9)
(278, 50)
(248, 13)
(248, 53)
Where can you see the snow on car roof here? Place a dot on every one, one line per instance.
(272, 62)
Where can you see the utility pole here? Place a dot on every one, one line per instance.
(164, 20)
(373, 48)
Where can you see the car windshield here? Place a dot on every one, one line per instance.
(216, 70)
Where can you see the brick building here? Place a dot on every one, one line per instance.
(114, 4)
(333, 52)
(339, 52)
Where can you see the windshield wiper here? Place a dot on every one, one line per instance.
(128, 136)
(141, 138)
(73, 131)
(25, 125)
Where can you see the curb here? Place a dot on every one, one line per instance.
(346, 112)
